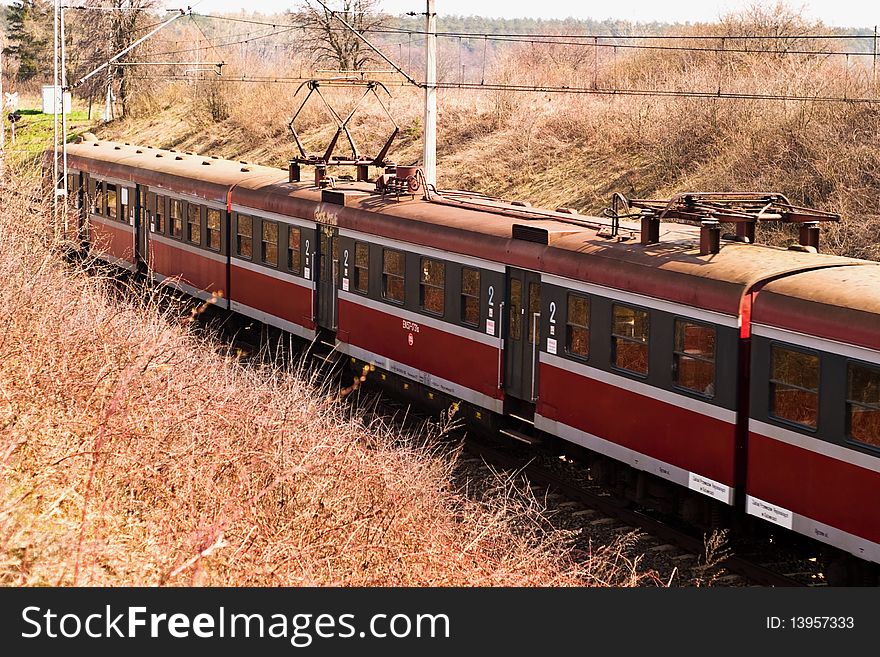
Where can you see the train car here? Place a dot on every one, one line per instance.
(814, 426)
(651, 353)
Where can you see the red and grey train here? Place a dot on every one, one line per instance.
(748, 375)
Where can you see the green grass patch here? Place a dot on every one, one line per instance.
(34, 130)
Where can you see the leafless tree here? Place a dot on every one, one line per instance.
(331, 40)
(124, 29)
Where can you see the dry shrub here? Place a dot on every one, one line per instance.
(135, 452)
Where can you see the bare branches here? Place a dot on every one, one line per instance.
(335, 46)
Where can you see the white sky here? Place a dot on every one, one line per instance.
(844, 13)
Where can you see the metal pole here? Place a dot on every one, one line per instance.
(55, 118)
(108, 98)
(875, 56)
(64, 122)
(430, 136)
(2, 112)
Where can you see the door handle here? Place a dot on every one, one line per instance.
(500, 342)
(535, 317)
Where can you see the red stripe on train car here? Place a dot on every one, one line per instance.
(440, 353)
(283, 299)
(117, 241)
(678, 436)
(200, 272)
(810, 484)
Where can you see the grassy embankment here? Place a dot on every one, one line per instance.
(135, 451)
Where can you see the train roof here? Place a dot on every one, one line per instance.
(671, 269)
(185, 172)
(840, 303)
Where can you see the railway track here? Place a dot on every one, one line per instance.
(610, 507)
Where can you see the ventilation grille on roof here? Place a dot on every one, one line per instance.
(530, 234)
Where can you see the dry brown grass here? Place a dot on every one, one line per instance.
(134, 452)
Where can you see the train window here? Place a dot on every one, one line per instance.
(863, 404)
(244, 236)
(393, 275)
(470, 296)
(159, 220)
(123, 204)
(213, 225)
(534, 311)
(176, 218)
(693, 357)
(73, 191)
(98, 206)
(269, 243)
(577, 339)
(794, 386)
(629, 339)
(516, 301)
(294, 253)
(193, 223)
(110, 190)
(361, 268)
(432, 286)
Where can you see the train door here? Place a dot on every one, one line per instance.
(141, 225)
(523, 333)
(328, 276)
(73, 217)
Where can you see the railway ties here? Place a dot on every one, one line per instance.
(597, 511)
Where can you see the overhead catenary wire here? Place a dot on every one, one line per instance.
(559, 89)
(572, 35)
(220, 45)
(592, 41)
(279, 28)
(196, 23)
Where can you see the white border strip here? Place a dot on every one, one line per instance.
(641, 388)
(416, 318)
(819, 344)
(162, 191)
(816, 445)
(110, 179)
(273, 216)
(709, 316)
(189, 248)
(273, 320)
(113, 260)
(860, 547)
(425, 251)
(452, 389)
(673, 473)
(111, 223)
(273, 273)
(175, 282)
(189, 198)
